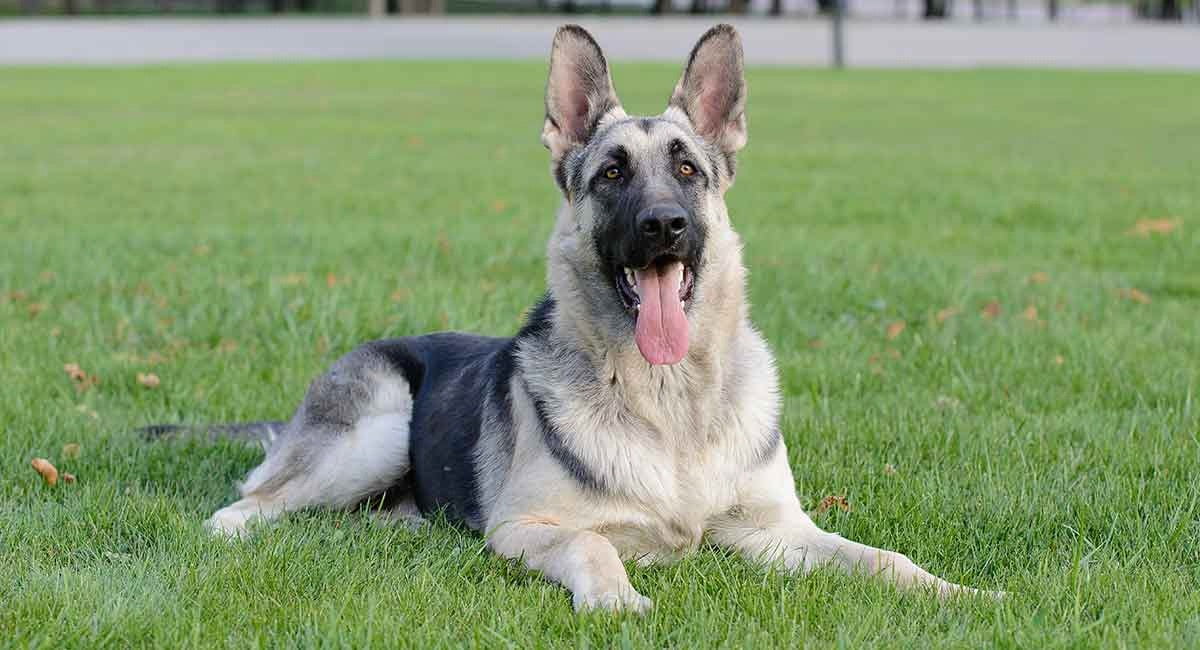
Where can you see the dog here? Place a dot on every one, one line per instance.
(634, 417)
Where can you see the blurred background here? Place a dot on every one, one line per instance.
(872, 33)
(979, 10)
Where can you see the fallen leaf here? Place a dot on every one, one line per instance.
(895, 329)
(1059, 360)
(1030, 314)
(1134, 295)
(889, 469)
(36, 308)
(946, 314)
(225, 346)
(831, 501)
(1146, 227)
(55, 332)
(815, 344)
(945, 402)
(81, 379)
(991, 310)
(15, 296)
(400, 295)
(46, 469)
(498, 205)
(70, 450)
(148, 379)
(68, 477)
(415, 141)
(332, 280)
(47, 276)
(1039, 277)
(292, 279)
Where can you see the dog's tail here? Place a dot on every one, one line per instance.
(263, 433)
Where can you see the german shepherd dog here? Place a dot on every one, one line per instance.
(635, 415)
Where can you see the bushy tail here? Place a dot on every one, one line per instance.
(263, 433)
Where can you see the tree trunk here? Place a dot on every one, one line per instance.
(70, 7)
(934, 9)
(1052, 10)
(776, 7)
(699, 6)
(660, 7)
(739, 6)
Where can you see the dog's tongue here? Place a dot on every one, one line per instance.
(662, 329)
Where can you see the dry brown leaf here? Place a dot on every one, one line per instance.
(36, 308)
(46, 469)
(889, 469)
(225, 346)
(292, 279)
(1059, 360)
(946, 314)
(400, 295)
(332, 280)
(991, 310)
(415, 141)
(1134, 295)
(1039, 277)
(55, 332)
(831, 501)
(498, 205)
(1146, 227)
(68, 477)
(70, 450)
(945, 402)
(15, 296)
(148, 379)
(815, 344)
(81, 379)
(895, 329)
(47, 276)
(1030, 314)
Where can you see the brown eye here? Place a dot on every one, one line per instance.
(612, 173)
(686, 169)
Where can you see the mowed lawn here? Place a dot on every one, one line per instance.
(982, 288)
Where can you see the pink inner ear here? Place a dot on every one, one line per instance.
(577, 110)
(711, 110)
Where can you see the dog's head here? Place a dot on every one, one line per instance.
(644, 219)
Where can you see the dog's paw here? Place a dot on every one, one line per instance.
(228, 523)
(620, 600)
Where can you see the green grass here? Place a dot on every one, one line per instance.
(188, 221)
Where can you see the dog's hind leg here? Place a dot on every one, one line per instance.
(347, 442)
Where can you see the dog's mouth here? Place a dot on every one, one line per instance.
(656, 297)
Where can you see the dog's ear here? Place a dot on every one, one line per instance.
(579, 92)
(712, 90)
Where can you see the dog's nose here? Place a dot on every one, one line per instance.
(662, 224)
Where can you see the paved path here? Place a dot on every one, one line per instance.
(767, 41)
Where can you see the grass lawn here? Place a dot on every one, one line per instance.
(978, 349)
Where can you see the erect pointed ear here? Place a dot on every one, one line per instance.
(712, 91)
(579, 92)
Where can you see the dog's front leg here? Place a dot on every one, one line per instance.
(584, 562)
(771, 527)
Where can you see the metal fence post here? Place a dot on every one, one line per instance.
(839, 44)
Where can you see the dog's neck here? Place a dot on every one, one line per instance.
(716, 319)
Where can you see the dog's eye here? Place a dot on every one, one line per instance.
(612, 173)
(686, 169)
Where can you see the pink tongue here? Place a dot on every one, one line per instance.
(662, 329)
